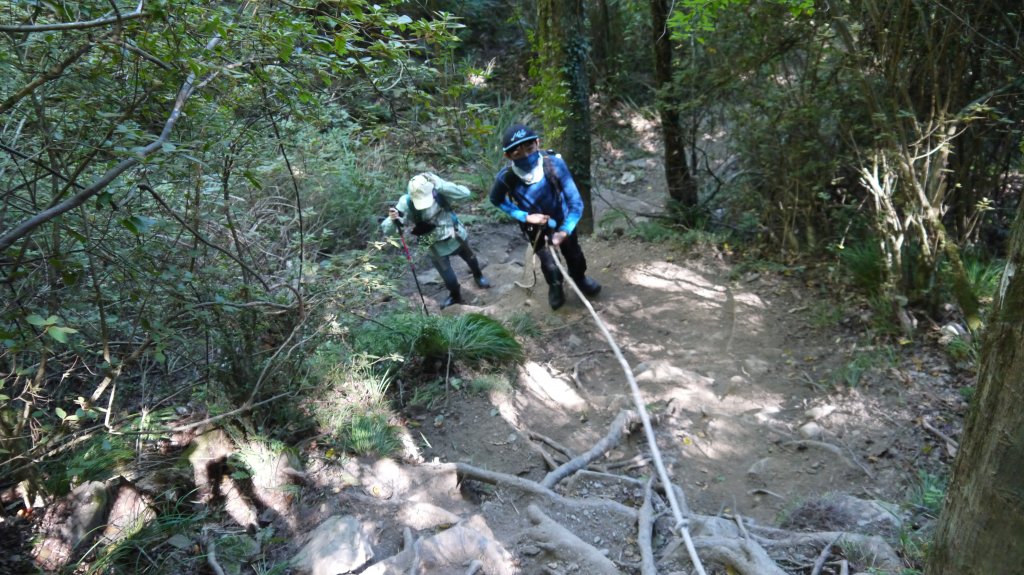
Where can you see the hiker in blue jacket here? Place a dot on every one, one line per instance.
(428, 207)
(539, 192)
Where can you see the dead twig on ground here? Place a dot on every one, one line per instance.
(765, 492)
(819, 563)
(549, 460)
(609, 477)
(632, 463)
(805, 443)
(617, 430)
(951, 444)
(551, 443)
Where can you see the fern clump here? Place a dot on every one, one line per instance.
(470, 337)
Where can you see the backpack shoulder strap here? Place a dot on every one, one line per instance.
(549, 172)
(446, 206)
(507, 178)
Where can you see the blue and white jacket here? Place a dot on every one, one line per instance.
(518, 199)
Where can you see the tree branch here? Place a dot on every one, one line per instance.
(52, 74)
(74, 25)
(27, 226)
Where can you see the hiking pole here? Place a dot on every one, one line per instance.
(408, 256)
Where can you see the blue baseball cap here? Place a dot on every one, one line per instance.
(517, 134)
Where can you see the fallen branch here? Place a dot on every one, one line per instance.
(549, 461)
(951, 444)
(623, 421)
(211, 556)
(819, 563)
(551, 443)
(634, 462)
(760, 491)
(609, 477)
(805, 443)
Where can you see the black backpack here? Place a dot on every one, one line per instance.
(421, 227)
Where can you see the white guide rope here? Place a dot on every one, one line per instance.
(682, 524)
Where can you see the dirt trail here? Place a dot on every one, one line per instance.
(719, 368)
(751, 402)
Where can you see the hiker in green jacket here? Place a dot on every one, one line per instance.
(428, 207)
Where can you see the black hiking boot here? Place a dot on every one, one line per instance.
(556, 295)
(481, 281)
(588, 286)
(453, 299)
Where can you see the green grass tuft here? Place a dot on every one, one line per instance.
(371, 434)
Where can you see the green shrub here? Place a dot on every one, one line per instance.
(865, 266)
(653, 232)
(102, 458)
(851, 373)
(983, 275)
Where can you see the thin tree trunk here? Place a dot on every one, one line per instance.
(565, 56)
(681, 187)
(577, 132)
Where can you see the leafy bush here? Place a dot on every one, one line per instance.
(984, 276)
(102, 458)
(865, 266)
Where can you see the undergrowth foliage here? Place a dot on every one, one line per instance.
(472, 338)
(357, 395)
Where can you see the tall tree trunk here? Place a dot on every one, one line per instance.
(563, 57)
(682, 189)
(981, 528)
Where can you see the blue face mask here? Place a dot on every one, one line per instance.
(527, 163)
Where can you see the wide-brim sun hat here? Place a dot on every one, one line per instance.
(421, 191)
(517, 134)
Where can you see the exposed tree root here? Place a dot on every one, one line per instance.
(727, 541)
(645, 533)
(562, 543)
(603, 505)
(744, 557)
